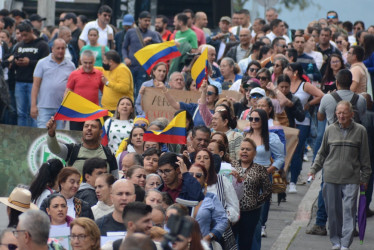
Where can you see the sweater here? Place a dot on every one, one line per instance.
(345, 160)
(101, 209)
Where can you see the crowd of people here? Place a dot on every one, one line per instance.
(317, 80)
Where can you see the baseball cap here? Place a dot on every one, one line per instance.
(128, 20)
(226, 18)
(144, 14)
(36, 17)
(258, 91)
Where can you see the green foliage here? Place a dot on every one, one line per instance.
(238, 4)
(291, 4)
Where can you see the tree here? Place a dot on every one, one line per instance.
(289, 4)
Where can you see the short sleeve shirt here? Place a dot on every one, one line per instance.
(187, 36)
(103, 33)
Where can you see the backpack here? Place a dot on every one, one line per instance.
(353, 101)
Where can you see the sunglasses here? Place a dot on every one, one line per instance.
(253, 70)
(197, 175)
(254, 119)
(339, 42)
(209, 93)
(256, 96)
(10, 246)
(282, 45)
(331, 17)
(142, 125)
(262, 78)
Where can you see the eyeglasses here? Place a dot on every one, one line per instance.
(143, 125)
(197, 175)
(335, 62)
(262, 78)
(79, 237)
(339, 42)
(282, 45)
(254, 119)
(107, 15)
(10, 246)
(253, 69)
(165, 172)
(209, 93)
(256, 96)
(15, 232)
(331, 17)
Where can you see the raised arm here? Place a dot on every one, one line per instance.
(168, 96)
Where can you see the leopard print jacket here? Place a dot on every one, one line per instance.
(256, 179)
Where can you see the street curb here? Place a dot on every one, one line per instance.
(302, 216)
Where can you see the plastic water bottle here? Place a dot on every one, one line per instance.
(309, 71)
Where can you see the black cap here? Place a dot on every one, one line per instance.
(144, 14)
(36, 17)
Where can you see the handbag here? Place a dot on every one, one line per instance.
(279, 183)
(228, 241)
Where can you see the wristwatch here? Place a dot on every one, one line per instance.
(211, 236)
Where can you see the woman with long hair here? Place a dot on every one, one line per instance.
(334, 64)
(103, 188)
(158, 74)
(254, 178)
(343, 45)
(134, 143)
(310, 50)
(369, 59)
(120, 125)
(57, 210)
(304, 91)
(280, 63)
(45, 182)
(99, 50)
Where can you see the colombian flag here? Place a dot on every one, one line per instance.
(199, 68)
(152, 54)
(78, 109)
(175, 131)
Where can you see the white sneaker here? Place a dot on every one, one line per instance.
(292, 188)
(336, 247)
(300, 181)
(263, 232)
(305, 157)
(344, 248)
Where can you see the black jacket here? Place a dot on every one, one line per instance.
(87, 193)
(296, 111)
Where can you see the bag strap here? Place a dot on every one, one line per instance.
(139, 36)
(221, 190)
(110, 124)
(73, 154)
(336, 97)
(354, 99)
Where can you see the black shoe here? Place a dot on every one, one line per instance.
(317, 230)
(369, 213)
(355, 233)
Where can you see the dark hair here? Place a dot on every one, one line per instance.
(329, 73)
(139, 193)
(276, 41)
(284, 62)
(264, 127)
(189, 81)
(132, 131)
(108, 178)
(368, 45)
(104, 8)
(360, 22)
(65, 173)
(256, 46)
(93, 29)
(275, 23)
(183, 18)
(168, 158)
(347, 25)
(113, 55)
(164, 18)
(212, 175)
(201, 128)
(266, 71)
(344, 78)
(151, 151)
(134, 211)
(132, 114)
(326, 29)
(96, 120)
(156, 67)
(222, 147)
(13, 217)
(46, 177)
(359, 52)
(166, 198)
(226, 115)
(225, 139)
(4, 13)
(132, 169)
(71, 15)
(292, 53)
(91, 164)
(270, 104)
(332, 11)
(283, 78)
(52, 196)
(83, 19)
(195, 236)
(254, 62)
(297, 67)
(189, 11)
(24, 27)
(252, 142)
(188, 118)
(205, 172)
(8, 22)
(17, 12)
(264, 50)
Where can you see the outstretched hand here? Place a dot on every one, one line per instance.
(51, 126)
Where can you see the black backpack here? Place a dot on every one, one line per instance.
(353, 101)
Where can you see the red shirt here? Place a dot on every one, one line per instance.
(199, 34)
(174, 193)
(85, 84)
(167, 36)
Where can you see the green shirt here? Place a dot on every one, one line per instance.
(97, 52)
(188, 36)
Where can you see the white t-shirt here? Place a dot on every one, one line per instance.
(71, 210)
(103, 33)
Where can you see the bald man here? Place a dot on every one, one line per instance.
(201, 21)
(242, 50)
(123, 192)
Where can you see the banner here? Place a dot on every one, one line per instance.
(23, 150)
(155, 104)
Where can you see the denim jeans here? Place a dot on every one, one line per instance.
(44, 114)
(320, 131)
(297, 159)
(139, 76)
(321, 217)
(244, 229)
(256, 241)
(23, 101)
(266, 207)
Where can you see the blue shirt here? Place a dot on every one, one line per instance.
(211, 216)
(132, 44)
(193, 110)
(138, 102)
(276, 150)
